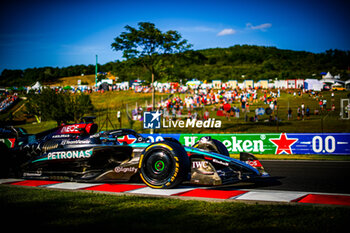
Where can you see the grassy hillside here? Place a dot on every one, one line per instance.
(73, 80)
(112, 102)
(259, 62)
(253, 62)
(107, 103)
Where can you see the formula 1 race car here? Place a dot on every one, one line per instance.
(77, 153)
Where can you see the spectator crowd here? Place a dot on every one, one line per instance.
(7, 100)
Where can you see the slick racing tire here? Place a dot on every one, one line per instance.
(164, 165)
(212, 145)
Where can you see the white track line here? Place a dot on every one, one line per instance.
(4, 181)
(273, 195)
(71, 185)
(160, 192)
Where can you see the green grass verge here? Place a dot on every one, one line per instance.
(56, 211)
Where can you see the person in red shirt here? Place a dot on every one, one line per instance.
(227, 108)
(321, 104)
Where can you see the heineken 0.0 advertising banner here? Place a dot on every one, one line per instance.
(279, 143)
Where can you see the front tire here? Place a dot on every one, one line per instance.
(164, 165)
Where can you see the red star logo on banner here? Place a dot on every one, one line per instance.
(283, 144)
(126, 139)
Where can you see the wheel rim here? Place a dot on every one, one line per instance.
(158, 167)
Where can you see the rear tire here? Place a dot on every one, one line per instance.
(164, 165)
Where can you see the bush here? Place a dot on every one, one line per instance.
(60, 106)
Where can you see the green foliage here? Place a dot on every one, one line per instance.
(147, 46)
(58, 106)
(44, 75)
(148, 41)
(81, 104)
(259, 62)
(254, 62)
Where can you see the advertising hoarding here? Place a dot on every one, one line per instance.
(277, 143)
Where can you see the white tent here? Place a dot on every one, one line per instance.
(270, 85)
(329, 79)
(240, 85)
(281, 84)
(36, 86)
(194, 83)
(108, 81)
(248, 83)
(232, 84)
(328, 75)
(313, 84)
(262, 84)
(217, 84)
(300, 83)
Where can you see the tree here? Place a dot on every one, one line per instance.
(81, 105)
(148, 46)
(61, 107)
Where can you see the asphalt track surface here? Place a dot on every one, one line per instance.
(301, 175)
(309, 182)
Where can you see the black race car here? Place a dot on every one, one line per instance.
(77, 153)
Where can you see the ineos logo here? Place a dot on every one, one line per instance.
(69, 128)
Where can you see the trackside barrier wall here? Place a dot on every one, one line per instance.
(279, 143)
